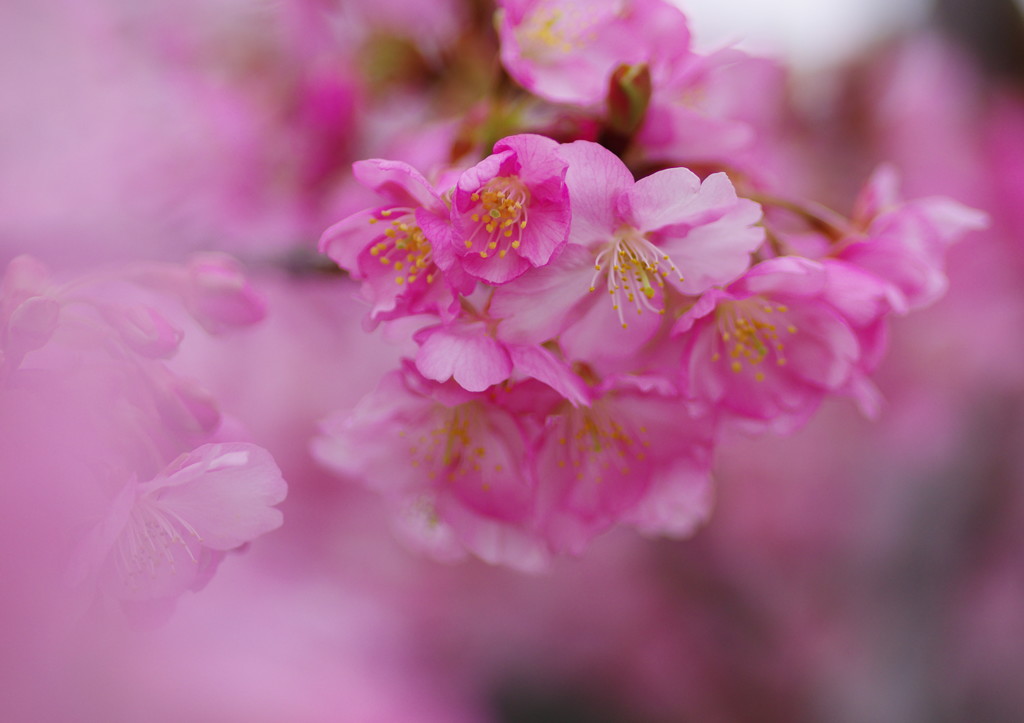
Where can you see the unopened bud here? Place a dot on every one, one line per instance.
(629, 94)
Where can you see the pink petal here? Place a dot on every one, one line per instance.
(396, 181)
(226, 492)
(475, 360)
(534, 308)
(540, 364)
(596, 177)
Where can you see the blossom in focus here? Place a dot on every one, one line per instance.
(633, 244)
(388, 250)
(469, 352)
(510, 212)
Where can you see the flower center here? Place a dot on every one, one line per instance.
(552, 30)
(593, 440)
(749, 333)
(404, 247)
(501, 214)
(148, 540)
(634, 270)
(454, 448)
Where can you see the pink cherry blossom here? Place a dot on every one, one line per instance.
(633, 454)
(723, 108)
(510, 212)
(521, 473)
(566, 50)
(766, 350)
(905, 242)
(633, 246)
(388, 249)
(455, 466)
(165, 536)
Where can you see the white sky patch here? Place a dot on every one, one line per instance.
(806, 33)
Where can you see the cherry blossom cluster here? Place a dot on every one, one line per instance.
(592, 307)
(137, 488)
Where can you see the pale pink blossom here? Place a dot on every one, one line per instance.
(167, 535)
(724, 109)
(566, 50)
(455, 467)
(519, 474)
(905, 242)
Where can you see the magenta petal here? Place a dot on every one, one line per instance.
(472, 179)
(599, 332)
(786, 275)
(345, 241)
(475, 360)
(715, 253)
(547, 232)
(540, 364)
(535, 307)
(596, 177)
(219, 296)
(537, 157)
(495, 270)
(662, 198)
(396, 181)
